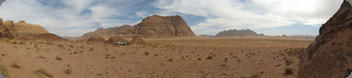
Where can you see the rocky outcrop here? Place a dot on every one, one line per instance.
(5, 29)
(23, 30)
(151, 27)
(23, 27)
(234, 32)
(122, 31)
(159, 26)
(330, 55)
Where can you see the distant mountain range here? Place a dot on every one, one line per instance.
(234, 32)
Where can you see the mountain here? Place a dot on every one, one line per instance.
(330, 55)
(234, 32)
(151, 27)
(123, 31)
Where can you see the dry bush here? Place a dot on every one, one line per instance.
(58, 58)
(15, 65)
(68, 71)
(44, 72)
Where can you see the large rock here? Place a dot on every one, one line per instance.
(160, 26)
(330, 55)
(234, 32)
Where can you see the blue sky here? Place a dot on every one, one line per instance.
(272, 17)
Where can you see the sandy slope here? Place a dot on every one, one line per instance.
(161, 58)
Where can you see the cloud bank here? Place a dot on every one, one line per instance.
(75, 17)
(227, 14)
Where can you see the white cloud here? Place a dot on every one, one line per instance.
(228, 14)
(65, 17)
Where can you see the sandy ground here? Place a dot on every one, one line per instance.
(249, 57)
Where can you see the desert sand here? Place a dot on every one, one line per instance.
(192, 57)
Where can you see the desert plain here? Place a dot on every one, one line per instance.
(188, 57)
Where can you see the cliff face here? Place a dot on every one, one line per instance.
(330, 55)
(151, 27)
(159, 26)
(234, 32)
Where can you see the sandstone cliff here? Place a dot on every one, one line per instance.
(159, 26)
(22, 30)
(330, 56)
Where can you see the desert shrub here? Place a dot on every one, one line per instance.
(15, 65)
(68, 71)
(288, 71)
(91, 49)
(61, 46)
(58, 58)
(44, 72)
(14, 42)
(255, 76)
(146, 53)
(210, 57)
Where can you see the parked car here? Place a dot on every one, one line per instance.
(121, 43)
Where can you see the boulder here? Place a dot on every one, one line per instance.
(330, 55)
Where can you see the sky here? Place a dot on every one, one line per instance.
(271, 17)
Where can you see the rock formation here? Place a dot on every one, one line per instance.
(5, 29)
(330, 55)
(159, 26)
(123, 31)
(234, 32)
(23, 30)
(151, 27)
